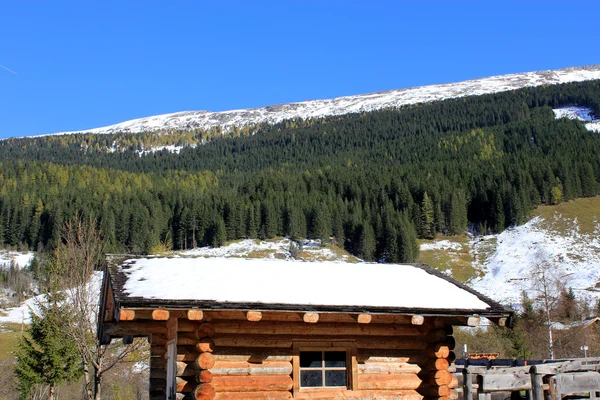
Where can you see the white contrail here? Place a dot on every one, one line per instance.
(9, 70)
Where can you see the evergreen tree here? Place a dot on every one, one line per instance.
(48, 357)
(366, 241)
(427, 218)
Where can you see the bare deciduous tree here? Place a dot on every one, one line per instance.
(78, 260)
(548, 281)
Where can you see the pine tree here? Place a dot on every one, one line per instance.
(427, 218)
(366, 241)
(458, 212)
(49, 357)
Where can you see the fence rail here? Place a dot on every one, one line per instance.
(546, 380)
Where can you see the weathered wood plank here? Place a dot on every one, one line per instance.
(133, 328)
(491, 382)
(577, 382)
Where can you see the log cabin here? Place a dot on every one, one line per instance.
(228, 329)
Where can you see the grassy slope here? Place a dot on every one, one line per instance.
(559, 219)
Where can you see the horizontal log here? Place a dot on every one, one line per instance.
(204, 376)
(280, 395)
(205, 330)
(158, 338)
(205, 345)
(254, 316)
(186, 369)
(187, 338)
(508, 381)
(205, 361)
(436, 391)
(134, 328)
(195, 315)
(388, 368)
(442, 378)
(183, 385)
(310, 317)
(417, 320)
(186, 353)
(293, 316)
(252, 383)
(322, 328)
(285, 341)
(379, 395)
(388, 382)
(160, 314)
(252, 355)
(126, 315)
(158, 363)
(159, 373)
(246, 368)
(438, 364)
(204, 391)
(158, 351)
(364, 318)
(184, 325)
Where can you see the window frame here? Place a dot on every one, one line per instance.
(351, 366)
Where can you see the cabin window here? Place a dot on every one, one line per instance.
(323, 369)
(324, 366)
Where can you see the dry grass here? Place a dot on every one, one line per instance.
(458, 261)
(586, 211)
(9, 336)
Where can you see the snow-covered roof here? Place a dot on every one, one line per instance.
(280, 284)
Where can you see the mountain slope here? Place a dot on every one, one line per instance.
(565, 236)
(188, 120)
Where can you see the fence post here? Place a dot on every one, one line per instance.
(537, 384)
(467, 384)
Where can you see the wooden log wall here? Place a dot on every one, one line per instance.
(230, 355)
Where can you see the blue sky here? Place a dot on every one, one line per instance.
(83, 64)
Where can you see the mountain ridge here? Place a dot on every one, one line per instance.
(396, 98)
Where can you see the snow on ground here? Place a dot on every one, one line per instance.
(575, 256)
(267, 281)
(272, 249)
(188, 120)
(440, 245)
(574, 112)
(20, 314)
(593, 126)
(21, 260)
(581, 113)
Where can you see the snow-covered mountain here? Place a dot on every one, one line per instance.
(188, 120)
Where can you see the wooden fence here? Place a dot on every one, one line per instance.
(552, 380)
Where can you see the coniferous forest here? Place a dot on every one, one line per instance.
(374, 182)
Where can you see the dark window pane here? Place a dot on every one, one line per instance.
(335, 359)
(335, 378)
(311, 378)
(311, 359)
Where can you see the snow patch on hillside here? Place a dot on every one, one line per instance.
(189, 120)
(574, 112)
(20, 259)
(272, 249)
(21, 314)
(507, 272)
(440, 245)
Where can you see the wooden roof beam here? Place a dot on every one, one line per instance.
(310, 317)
